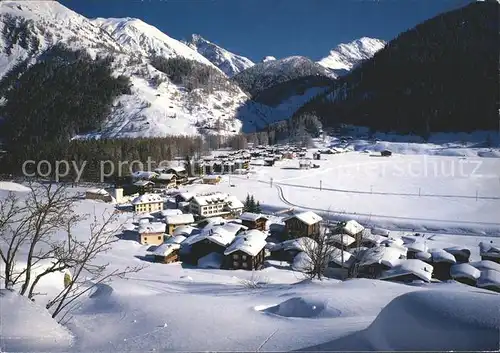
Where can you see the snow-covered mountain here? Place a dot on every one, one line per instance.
(31, 27)
(137, 36)
(230, 63)
(268, 58)
(345, 57)
(272, 72)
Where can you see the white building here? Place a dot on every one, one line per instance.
(217, 204)
(148, 203)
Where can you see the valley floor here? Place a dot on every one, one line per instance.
(176, 307)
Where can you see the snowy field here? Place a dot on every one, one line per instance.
(425, 192)
(176, 307)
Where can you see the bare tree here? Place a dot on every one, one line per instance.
(28, 229)
(86, 270)
(319, 253)
(46, 210)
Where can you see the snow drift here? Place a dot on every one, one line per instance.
(438, 321)
(26, 325)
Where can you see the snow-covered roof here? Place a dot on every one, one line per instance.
(352, 227)
(458, 250)
(185, 218)
(144, 175)
(166, 249)
(187, 195)
(250, 242)
(464, 271)
(170, 212)
(416, 246)
(234, 203)
(97, 191)
(249, 216)
(186, 231)
(376, 239)
(336, 257)
(343, 239)
(489, 278)
(380, 255)
(204, 200)
(147, 198)
(156, 227)
(392, 242)
(490, 249)
(307, 217)
(424, 256)
(143, 183)
(177, 169)
(222, 235)
(486, 265)
(406, 267)
(176, 239)
(165, 176)
(439, 255)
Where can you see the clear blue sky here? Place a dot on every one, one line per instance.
(257, 28)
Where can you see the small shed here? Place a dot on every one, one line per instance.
(168, 252)
(385, 153)
(317, 156)
(254, 220)
(489, 251)
(442, 261)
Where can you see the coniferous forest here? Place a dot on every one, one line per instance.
(442, 75)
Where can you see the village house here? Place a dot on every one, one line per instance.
(167, 180)
(211, 179)
(217, 204)
(465, 273)
(144, 186)
(254, 220)
(489, 251)
(212, 239)
(304, 224)
(442, 261)
(376, 260)
(352, 228)
(174, 221)
(144, 175)
(288, 249)
(148, 203)
(246, 251)
(98, 194)
(168, 252)
(151, 233)
(341, 241)
(407, 271)
(180, 173)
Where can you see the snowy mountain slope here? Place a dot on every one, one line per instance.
(30, 27)
(231, 64)
(345, 57)
(140, 37)
(267, 74)
(152, 109)
(268, 58)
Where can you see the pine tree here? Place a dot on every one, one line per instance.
(257, 207)
(246, 205)
(252, 204)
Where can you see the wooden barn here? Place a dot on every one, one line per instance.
(465, 273)
(246, 252)
(254, 220)
(98, 194)
(211, 179)
(442, 261)
(168, 252)
(407, 271)
(490, 251)
(303, 224)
